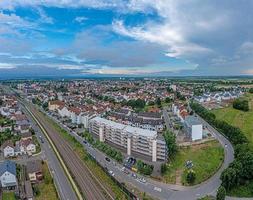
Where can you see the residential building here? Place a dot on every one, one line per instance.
(34, 170)
(54, 105)
(27, 146)
(8, 149)
(194, 127)
(135, 141)
(8, 175)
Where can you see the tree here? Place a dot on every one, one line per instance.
(251, 90)
(163, 168)
(241, 104)
(158, 101)
(191, 176)
(221, 193)
(229, 178)
(171, 144)
(167, 99)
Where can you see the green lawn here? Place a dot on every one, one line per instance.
(244, 121)
(46, 189)
(206, 158)
(238, 118)
(9, 196)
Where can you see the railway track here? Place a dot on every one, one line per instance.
(91, 189)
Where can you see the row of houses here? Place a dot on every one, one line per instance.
(77, 115)
(146, 120)
(218, 96)
(9, 180)
(25, 146)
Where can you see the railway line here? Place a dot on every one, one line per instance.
(90, 187)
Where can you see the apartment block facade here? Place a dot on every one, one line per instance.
(134, 141)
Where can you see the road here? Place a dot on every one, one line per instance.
(162, 190)
(63, 186)
(158, 189)
(62, 183)
(88, 184)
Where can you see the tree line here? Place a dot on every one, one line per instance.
(240, 171)
(241, 104)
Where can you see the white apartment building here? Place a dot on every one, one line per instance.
(134, 141)
(194, 127)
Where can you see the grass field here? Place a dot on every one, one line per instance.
(238, 118)
(206, 158)
(244, 121)
(9, 196)
(46, 189)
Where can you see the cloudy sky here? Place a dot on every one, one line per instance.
(125, 37)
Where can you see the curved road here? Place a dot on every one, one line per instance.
(162, 190)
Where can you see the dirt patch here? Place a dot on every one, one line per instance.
(179, 177)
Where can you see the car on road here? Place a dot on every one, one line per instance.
(107, 159)
(111, 172)
(134, 175)
(126, 171)
(143, 180)
(85, 142)
(41, 139)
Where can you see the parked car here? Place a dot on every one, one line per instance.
(111, 172)
(107, 159)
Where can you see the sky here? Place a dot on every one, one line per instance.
(125, 37)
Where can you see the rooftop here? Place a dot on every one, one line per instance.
(129, 129)
(191, 120)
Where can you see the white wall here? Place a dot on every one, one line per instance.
(197, 132)
(7, 178)
(8, 151)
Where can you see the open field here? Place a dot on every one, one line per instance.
(206, 158)
(242, 120)
(46, 188)
(9, 196)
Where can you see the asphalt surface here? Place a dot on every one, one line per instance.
(166, 191)
(63, 186)
(62, 183)
(89, 186)
(161, 190)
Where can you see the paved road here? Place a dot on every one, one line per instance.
(88, 183)
(167, 191)
(62, 183)
(161, 190)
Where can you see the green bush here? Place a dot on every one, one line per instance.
(221, 193)
(240, 170)
(241, 104)
(144, 168)
(191, 176)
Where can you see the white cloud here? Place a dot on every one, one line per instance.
(80, 19)
(6, 66)
(44, 18)
(7, 4)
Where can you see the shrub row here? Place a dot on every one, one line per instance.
(240, 171)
